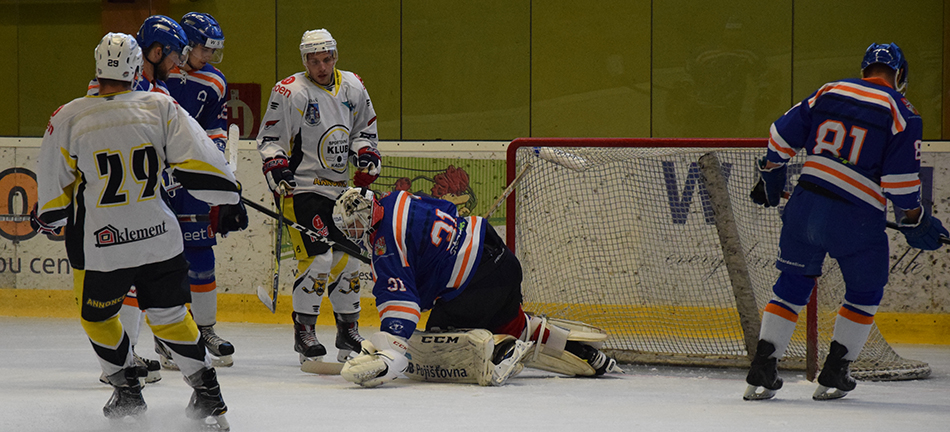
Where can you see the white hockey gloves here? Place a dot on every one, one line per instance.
(383, 358)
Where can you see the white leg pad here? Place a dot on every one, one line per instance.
(558, 360)
(453, 357)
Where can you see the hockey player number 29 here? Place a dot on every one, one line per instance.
(144, 170)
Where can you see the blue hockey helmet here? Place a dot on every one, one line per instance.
(167, 32)
(203, 29)
(891, 56)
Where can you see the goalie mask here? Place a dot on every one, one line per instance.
(891, 56)
(118, 57)
(356, 213)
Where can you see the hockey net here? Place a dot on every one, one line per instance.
(629, 235)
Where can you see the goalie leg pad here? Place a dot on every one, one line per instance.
(452, 357)
(551, 355)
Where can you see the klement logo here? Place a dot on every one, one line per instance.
(112, 236)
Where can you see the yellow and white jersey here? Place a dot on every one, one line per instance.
(99, 175)
(318, 127)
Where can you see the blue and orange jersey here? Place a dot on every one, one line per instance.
(203, 93)
(423, 252)
(862, 139)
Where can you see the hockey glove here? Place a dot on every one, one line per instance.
(368, 163)
(925, 234)
(768, 190)
(228, 217)
(280, 178)
(40, 226)
(374, 367)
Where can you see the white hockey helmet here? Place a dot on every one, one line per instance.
(118, 57)
(317, 41)
(356, 213)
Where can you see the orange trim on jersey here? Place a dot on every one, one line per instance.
(899, 185)
(468, 253)
(775, 146)
(400, 228)
(841, 176)
(216, 82)
(131, 301)
(218, 136)
(775, 309)
(203, 288)
(403, 309)
(852, 88)
(851, 315)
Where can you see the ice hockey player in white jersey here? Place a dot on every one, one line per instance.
(316, 122)
(98, 179)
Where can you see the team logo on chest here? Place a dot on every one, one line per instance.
(334, 148)
(380, 247)
(312, 116)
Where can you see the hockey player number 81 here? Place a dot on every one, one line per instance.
(144, 165)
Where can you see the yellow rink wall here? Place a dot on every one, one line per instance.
(908, 328)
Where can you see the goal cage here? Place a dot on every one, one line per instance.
(657, 242)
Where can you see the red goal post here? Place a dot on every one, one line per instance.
(657, 242)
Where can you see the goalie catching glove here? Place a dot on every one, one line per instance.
(280, 178)
(925, 234)
(368, 163)
(382, 359)
(768, 190)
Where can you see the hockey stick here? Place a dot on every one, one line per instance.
(234, 134)
(321, 367)
(508, 190)
(313, 235)
(271, 303)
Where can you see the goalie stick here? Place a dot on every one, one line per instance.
(313, 234)
(508, 190)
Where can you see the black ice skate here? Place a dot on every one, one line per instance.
(763, 374)
(206, 404)
(126, 400)
(347, 336)
(834, 381)
(306, 343)
(219, 348)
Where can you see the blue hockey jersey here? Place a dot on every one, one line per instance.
(423, 252)
(203, 94)
(862, 139)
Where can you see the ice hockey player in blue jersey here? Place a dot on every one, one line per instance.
(200, 89)
(862, 141)
(427, 257)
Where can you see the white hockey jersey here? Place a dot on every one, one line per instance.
(318, 128)
(99, 175)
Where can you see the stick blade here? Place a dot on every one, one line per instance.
(321, 368)
(234, 134)
(264, 297)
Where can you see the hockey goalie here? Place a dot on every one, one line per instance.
(427, 257)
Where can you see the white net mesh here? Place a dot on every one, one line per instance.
(627, 241)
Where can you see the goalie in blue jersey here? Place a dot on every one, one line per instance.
(862, 139)
(427, 257)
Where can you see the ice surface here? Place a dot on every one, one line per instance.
(49, 382)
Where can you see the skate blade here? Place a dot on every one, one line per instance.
(153, 377)
(752, 393)
(321, 367)
(214, 423)
(828, 393)
(223, 361)
(168, 363)
(344, 355)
